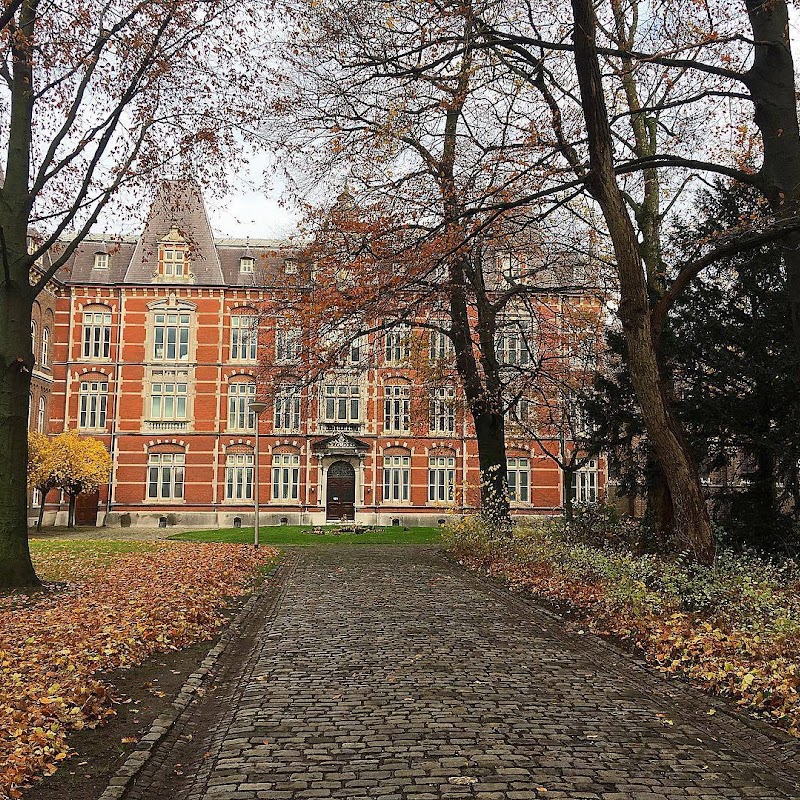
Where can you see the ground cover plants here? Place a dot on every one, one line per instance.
(105, 606)
(732, 628)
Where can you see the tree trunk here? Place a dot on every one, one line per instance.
(16, 360)
(490, 435)
(71, 512)
(675, 459)
(41, 511)
(771, 82)
(659, 502)
(16, 304)
(569, 500)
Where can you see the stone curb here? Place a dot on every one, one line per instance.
(163, 724)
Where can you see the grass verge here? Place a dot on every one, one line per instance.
(299, 535)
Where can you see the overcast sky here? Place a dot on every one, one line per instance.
(254, 210)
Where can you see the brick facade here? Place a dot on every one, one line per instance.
(160, 368)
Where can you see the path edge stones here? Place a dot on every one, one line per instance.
(130, 769)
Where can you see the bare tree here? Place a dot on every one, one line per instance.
(98, 97)
(632, 98)
(431, 131)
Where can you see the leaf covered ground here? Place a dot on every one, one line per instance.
(106, 606)
(732, 629)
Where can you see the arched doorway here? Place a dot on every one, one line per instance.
(341, 496)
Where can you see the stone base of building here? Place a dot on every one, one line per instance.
(178, 518)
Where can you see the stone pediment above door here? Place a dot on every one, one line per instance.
(340, 445)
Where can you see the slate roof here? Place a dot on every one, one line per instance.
(178, 211)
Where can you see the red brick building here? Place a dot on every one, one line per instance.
(154, 349)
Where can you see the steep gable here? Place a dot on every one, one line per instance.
(178, 214)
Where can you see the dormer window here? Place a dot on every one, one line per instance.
(172, 260)
(290, 266)
(247, 264)
(510, 266)
(101, 260)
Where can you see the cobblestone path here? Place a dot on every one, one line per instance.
(391, 673)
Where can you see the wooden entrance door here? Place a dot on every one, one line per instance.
(341, 491)
(86, 508)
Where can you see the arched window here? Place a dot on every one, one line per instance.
(33, 340)
(442, 410)
(244, 335)
(396, 476)
(285, 476)
(40, 416)
(93, 401)
(441, 477)
(240, 395)
(239, 466)
(45, 346)
(288, 398)
(519, 479)
(97, 332)
(396, 408)
(165, 475)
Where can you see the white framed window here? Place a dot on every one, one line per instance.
(397, 345)
(240, 417)
(287, 343)
(396, 478)
(247, 264)
(514, 344)
(92, 403)
(342, 403)
(40, 420)
(579, 418)
(168, 397)
(519, 480)
(36, 498)
(239, 476)
(101, 260)
(285, 476)
(441, 478)
(356, 348)
(244, 337)
(33, 340)
(396, 408)
(96, 334)
(584, 483)
(290, 266)
(442, 410)
(165, 476)
(171, 336)
(441, 347)
(510, 266)
(288, 400)
(173, 260)
(45, 346)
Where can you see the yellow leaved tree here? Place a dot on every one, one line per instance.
(42, 473)
(83, 465)
(70, 462)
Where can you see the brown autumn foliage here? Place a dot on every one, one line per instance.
(114, 611)
(731, 629)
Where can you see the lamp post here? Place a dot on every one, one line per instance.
(256, 408)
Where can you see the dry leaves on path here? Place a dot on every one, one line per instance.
(115, 609)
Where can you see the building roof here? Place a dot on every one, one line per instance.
(178, 214)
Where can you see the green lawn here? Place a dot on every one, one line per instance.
(299, 535)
